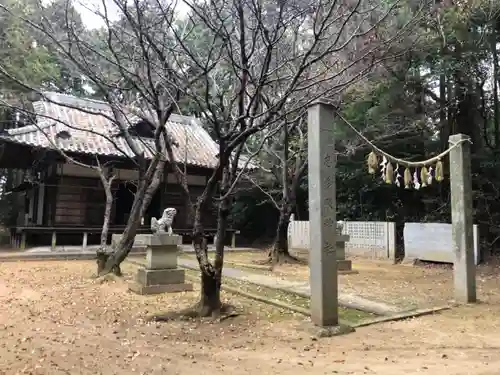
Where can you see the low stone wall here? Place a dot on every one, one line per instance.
(433, 242)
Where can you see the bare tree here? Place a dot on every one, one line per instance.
(103, 251)
(245, 66)
(263, 79)
(354, 43)
(133, 64)
(282, 165)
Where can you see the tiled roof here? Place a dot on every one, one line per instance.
(94, 134)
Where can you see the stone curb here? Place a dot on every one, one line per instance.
(344, 301)
(396, 317)
(57, 256)
(249, 266)
(348, 302)
(402, 316)
(190, 250)
(273, 302)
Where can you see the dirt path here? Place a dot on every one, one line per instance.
(55, 320)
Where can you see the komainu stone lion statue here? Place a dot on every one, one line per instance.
(166, 220)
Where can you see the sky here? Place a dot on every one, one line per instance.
(88, 8)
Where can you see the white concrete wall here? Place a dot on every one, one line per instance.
(376, 239)
(373, 239)
(433, 242)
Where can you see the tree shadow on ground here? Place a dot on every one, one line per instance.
(192, 313)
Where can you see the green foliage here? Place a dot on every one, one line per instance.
(28, 60)
(401, 107)
(456, 48)
(21, 54)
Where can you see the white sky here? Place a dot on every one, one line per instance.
(89, 8)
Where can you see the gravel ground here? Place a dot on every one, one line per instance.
(56, 320)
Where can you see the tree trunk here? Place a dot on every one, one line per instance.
(103, 253)
(210, 304)
(279, 252)
(107, 212)
(145, 189)
(210, 298)
(496, 107)
(443, 119)
(211, 275)
(290, 179)
(153, 187)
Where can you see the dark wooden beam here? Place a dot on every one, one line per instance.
(17, 156)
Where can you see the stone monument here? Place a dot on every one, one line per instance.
(160, 274)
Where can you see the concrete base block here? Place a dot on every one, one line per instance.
(138, 249)
(321, 332)
(409, 261)
(161, 257)
(160, 239)
(341, 248)
(160, 277)
(348, 272)
(344, 265)
(341, 252)
(158, 289)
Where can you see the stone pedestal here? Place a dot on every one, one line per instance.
(160, 274)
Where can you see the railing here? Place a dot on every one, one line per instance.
(19, 234)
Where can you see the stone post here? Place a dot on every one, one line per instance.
(322, 215)
(464, 269)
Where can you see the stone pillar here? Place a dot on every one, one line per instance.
(464, 269)
(322, 215)
(160, 274)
